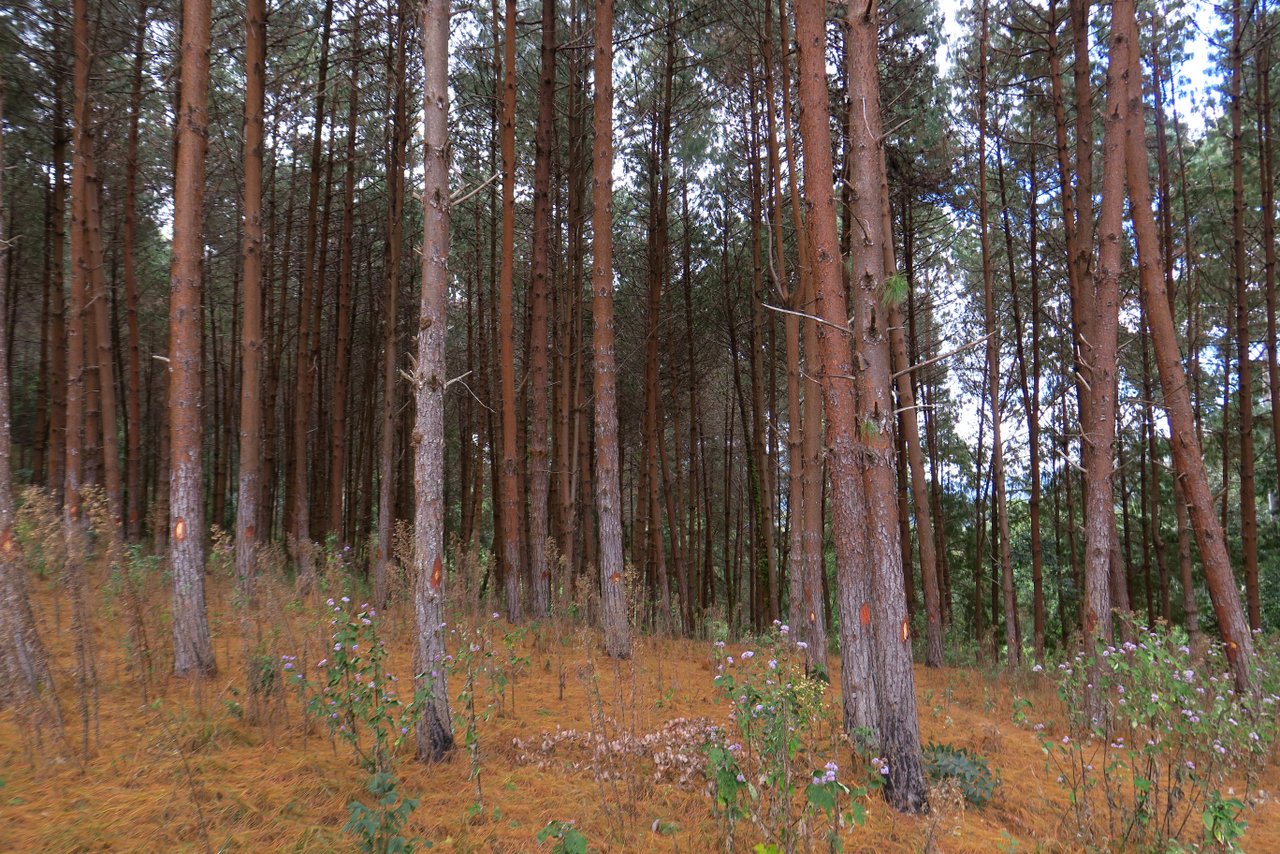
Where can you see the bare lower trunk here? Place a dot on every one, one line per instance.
(250, 476)
(608, 490)
(905, 787)
(848, 497)
(193, 650)
(539, 348)
(435, 729)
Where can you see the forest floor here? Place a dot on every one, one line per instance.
(187, 771)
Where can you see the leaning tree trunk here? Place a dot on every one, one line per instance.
(192, 648)
(617, 634)
(1188, 459)
(435, 729)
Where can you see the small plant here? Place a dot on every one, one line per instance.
(567, 838)
(357, 698)
(1223, 827)
(358, 702)
(1171, 732)
(783, 725)
(966, 769)
(380, 829)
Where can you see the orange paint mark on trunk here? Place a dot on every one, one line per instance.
(437, 574)
(6, 543)
(906, 630)
(864, 615)
(180, 529)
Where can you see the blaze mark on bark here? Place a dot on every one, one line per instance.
(180, 529)
(906, 630)
(437, 574)
(615, 577)
(6, 542)
(864, 615)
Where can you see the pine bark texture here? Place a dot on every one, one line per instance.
(192, 647)
(435, 728)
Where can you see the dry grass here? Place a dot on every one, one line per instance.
(196, 775)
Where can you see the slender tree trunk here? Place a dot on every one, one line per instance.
(59, 372)
(617, 635)
(539, 345)
(1187, 456)
(435, 728)
(1244, 361)
(510, 498)
(910, 429)
(193, 650)
(133, 403)
(1266, 179)
(86, 218)
(390, 311)
(304, 363)
(993, 361)
(249, 492)
(338, 484)
(1100, 427)
(28, 682)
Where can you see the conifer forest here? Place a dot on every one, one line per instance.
(639, 425)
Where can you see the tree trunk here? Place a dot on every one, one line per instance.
(617, 634)
(248, 503)
(510, 498)
(338, 484)
(839, 393)
(435, 728)
(193, 650)
(1187, 456)
(1244, 361)
(873, 292)
(1100, 427)
(28, 682)
(993, 361)
(133, 404)
(304, 365)
(539, 345)
(390, 311)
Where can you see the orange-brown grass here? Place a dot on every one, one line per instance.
(167, 779)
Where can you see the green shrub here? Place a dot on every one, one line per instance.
(966, 769)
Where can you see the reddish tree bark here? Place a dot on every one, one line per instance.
(1187, 457)
(899, 741)
(539, 345)
(858, 687)
(608, 490)
(249, 491)
(193, 650)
